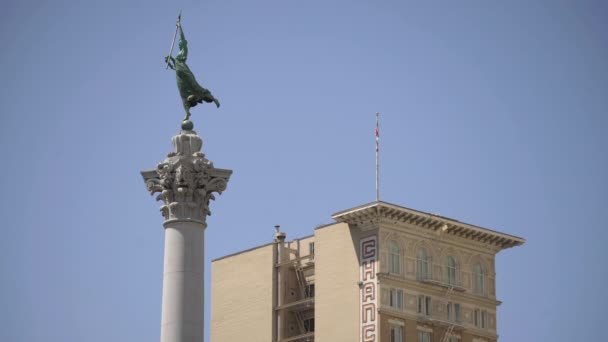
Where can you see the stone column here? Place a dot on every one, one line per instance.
(185, 181)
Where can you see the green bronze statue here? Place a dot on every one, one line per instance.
(190, 91)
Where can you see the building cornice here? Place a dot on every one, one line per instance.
(454, 240)
(377, 211)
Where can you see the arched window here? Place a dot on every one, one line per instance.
(478, 279)
(422, 262)
(394, 261)
(451, 270)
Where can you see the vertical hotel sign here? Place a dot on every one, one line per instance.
(369, 295)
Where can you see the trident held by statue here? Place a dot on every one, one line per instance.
(179, 19)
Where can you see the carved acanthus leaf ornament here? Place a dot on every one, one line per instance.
(186, 180)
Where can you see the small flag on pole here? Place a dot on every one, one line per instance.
(377, 161)
(377, 133)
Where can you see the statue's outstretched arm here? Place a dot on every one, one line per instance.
(181, 31)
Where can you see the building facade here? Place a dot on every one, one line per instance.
(380, 272)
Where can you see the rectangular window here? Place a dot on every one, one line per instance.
(311, 248)
(423, 269)
(396, 299)
(400, 299)
(481, 318)
(309, 325)
(309, 290)
(453, 311)
(424, 336)
(396, 333)
(479, 286)
(424, 305)
(394, 264)
(451, 271)
(450, 311)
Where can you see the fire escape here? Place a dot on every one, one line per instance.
(297, 308)
(450, 284)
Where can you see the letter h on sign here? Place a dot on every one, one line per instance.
(369, 270)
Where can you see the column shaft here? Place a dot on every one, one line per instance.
(183, 283)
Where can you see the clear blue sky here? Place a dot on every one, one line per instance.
(493, 113)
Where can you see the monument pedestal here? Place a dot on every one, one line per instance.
(185, 181)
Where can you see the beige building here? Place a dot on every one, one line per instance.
(381, 272)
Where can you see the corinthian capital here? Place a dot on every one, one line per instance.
(186, 181)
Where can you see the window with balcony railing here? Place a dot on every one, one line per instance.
(309, 325)
(424, 305)
(309, 291)
(453, 312)
(424, 336)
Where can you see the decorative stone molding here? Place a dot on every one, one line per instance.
(371, 215)
(186, 180)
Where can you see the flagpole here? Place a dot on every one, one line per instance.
(377, 159)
